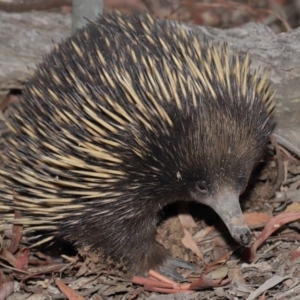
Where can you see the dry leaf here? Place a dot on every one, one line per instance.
(67, 291)
(266, 286)
(256, 218)
(184, 215)
(189, 243)
(273, 224)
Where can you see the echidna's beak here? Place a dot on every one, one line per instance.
(227, 206)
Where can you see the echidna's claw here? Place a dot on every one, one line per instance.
(179, 263)
(171, 264)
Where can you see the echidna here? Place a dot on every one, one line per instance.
(126, 116)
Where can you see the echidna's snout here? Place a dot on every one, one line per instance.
(242, 235)
(226, 205)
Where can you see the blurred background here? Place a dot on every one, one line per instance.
(279, 15)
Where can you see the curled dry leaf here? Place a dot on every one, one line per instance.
(273, 224)
(159, 283)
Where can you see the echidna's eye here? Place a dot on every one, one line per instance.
(202, 186)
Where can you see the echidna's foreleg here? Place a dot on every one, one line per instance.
(148, 254)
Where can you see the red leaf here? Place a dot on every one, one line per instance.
(273, 224)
